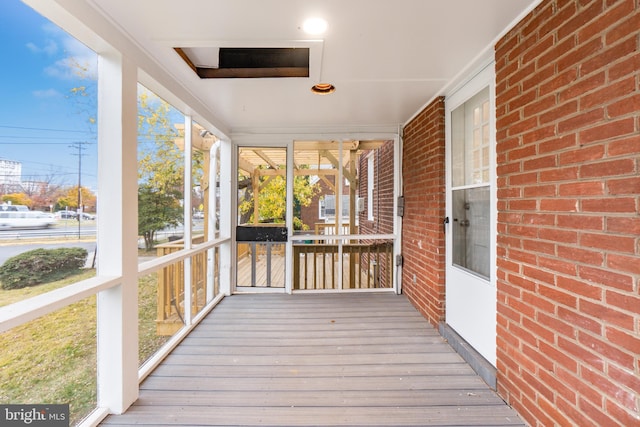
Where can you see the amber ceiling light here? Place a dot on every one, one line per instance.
(323, 88)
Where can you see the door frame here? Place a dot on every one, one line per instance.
(287, 146)
(481, 332)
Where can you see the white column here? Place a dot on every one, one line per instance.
(226, 211)
(117, 233)
(188, 127)
(213, 207)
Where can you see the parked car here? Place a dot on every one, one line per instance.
(66, 215)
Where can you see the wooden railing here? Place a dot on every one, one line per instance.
(171, 287)
(365, 265)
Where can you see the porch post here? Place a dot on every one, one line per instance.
(226, 211)
(187, 215)
(117, 233)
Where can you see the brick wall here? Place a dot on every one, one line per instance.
(568, 147)
(383, 191)
(383, 202)
(422, 230)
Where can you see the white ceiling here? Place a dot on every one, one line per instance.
(387, 58)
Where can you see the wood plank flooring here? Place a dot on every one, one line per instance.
(365, 359)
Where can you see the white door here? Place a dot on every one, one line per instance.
(471, 241)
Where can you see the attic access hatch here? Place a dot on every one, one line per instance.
(247, 62)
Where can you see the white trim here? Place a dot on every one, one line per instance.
(227, 213)
(187, 213)
(288, 248)
(117, 234)
(26, 310)
(397, 220)
(472, 309)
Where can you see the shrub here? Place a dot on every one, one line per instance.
(41, 266)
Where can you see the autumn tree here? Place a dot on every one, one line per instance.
(17, 199)
(272, 199)
(160, 167)
(69, 199)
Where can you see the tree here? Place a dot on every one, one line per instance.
(160, 167)
(17, 199)
(156, 210)
(272, 198)
(69, 199)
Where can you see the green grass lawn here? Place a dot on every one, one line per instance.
(53, 359)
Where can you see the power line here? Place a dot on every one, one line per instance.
(43, 129)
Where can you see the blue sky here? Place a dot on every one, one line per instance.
(40, 119)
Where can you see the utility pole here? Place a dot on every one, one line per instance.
(80, 146)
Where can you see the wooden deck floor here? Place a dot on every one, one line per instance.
(315, 360)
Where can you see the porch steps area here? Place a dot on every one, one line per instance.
(338, 359)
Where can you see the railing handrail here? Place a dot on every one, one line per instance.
(21, 312)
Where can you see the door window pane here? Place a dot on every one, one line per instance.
(470, 150)
(471, 229)
(470, 141)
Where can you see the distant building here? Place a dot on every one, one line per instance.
(10, 176)
(10, 172)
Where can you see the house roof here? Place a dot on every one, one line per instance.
(386, 58)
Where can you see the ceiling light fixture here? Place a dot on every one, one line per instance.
(314, 26)
(323, 88)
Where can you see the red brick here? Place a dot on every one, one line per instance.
(621, 205)
(578, 21)
(580, 288)
(578, 254)
(608, 242)
(559, 174)
(581, 86)
(608, 130)
(625, 67)
(601, 347)
(540, 191)
(557, 144)
(608, 56)
(608, 278)
(609, 168)
(628, 105)
(579, 121)
(624, 225)
(582, 222)
(626, 302)
(559, 265)
(581, 189)
(607, 19)
(559, 205)
(582, 154)
(624, 186)
(625, 28)
(523, 178)
(605, 313)
(538, 274)
(580, 353)
(558, 296)
(624, 146)
(538, 134)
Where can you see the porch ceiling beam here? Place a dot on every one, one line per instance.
(266, 158)
(325, 145)
(298, 172)
(347, 173)
(246, 165)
